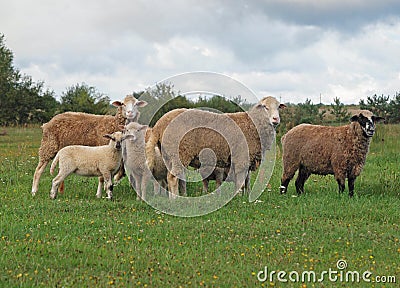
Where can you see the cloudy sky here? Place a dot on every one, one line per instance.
(293, 49)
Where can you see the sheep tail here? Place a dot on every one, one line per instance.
(54, 164)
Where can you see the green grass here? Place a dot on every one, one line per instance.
(80, 241)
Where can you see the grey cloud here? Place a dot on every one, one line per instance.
(294, 45)
(346, 16)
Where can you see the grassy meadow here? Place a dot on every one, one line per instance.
(78, 240)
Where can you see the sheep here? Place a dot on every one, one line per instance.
(220, 174)
(134, 159)
(323, 150)
(103, 161)
(202, 129)
(75, 128)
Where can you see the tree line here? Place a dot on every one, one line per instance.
(23, 101)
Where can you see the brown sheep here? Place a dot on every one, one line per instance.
(315, 149)
(254, 130)
(75, 128)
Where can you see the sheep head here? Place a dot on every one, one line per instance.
(271, 106)
(115, 139)
(134, 131)
(367, 122)
(129, 107)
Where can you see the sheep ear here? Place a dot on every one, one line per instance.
(143, 127)
(141, 103)
(121, 128)
(282, 106)
(377, 118)
(117, 103)
(108, 136)
(354, 118)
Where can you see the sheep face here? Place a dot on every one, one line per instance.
(130, 107)
(367, 124)
(271, 106)
(134, 131)
(115, 139)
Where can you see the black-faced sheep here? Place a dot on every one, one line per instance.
(74, 128)
(253, 130)
(103, 161)
(314, 149)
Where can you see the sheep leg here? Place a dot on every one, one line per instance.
(182, 187)
(164, 185)
(218, 182)
(36, 177)
(247, 183)
(56, 183)
(239, 175)
(120, 174)
(173, 185)
(351, 181)
(341, 183)
(301, 179)
(138, 188)
(143, 185)
(100, 187)
(205, 186)
(109, 185)
(132, 181)
(286, 177)
(61, 188)
(156, 187)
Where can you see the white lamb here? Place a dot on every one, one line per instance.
(103, 161)
(135, 160)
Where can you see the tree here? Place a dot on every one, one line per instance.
(219, 103)
(394, 109)
(339, 111)
(21, 99)
(7, 82)
(84, 98)
(384, 106)
(379, 105)
(310, 113)
(160, 99)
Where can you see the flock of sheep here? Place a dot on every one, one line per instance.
(224, 146)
